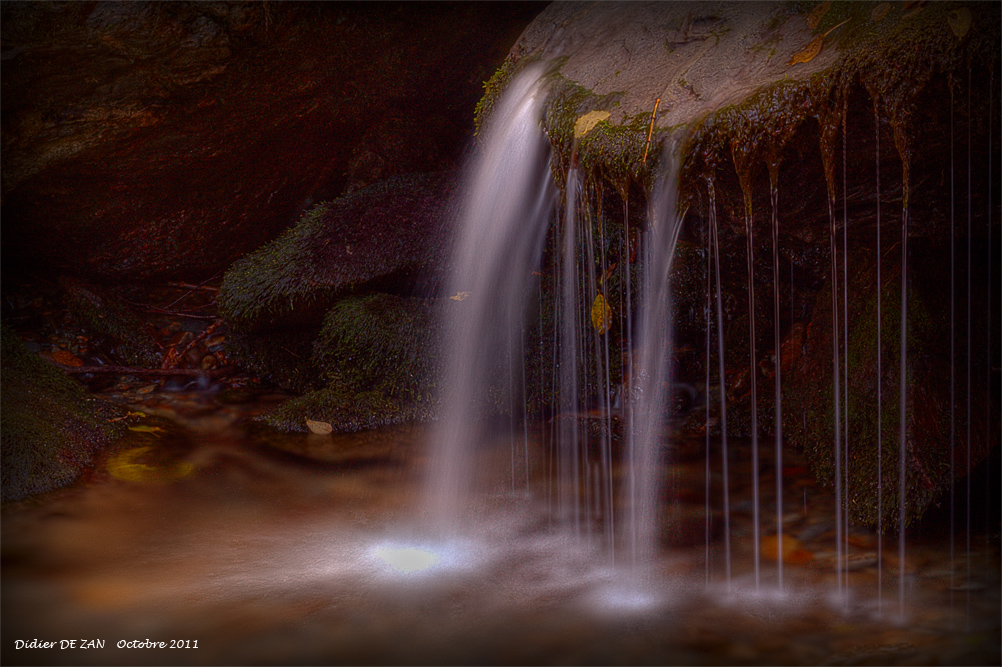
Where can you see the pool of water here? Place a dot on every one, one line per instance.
(313, 552)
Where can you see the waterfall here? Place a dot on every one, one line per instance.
(502, 222)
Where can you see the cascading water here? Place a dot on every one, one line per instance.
(650, 405)
(503, 217)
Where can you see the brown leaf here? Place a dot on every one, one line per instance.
(809, 52)
(66, 358)
(814, 18)
(318, 427)
(880, 11)
(960, 21)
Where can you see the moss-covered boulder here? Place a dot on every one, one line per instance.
(339, 305)
(392, 235)
(52, 429)
(377, 357)
(829, 118)
(937, 442)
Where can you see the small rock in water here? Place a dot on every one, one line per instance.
(855, 562)
(793, 553)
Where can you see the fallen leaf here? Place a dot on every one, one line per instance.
(960, 21)
(601, 314)
(143, 428)
(460, 296)
(585, 123)
(66, 358)
(318, 427)
(814, 48)
(809, 51)
(814, 18)
(608, 273)
(880, 11)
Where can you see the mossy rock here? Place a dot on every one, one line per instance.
(345, 410)
(52, 429)
(874, 444)
(393, 233)
(382, 342)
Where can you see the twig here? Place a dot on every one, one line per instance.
(651, 130)
(169, 362)
(128, 370)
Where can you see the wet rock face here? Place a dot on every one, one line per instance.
(164, 140)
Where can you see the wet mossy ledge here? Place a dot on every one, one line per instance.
(53, 430)
(342, 308)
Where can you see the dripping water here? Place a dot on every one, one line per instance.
(902, 392)
(568, 436)
(753, 374)
(706, 318)
(845, 336)
(970, 117)
(777, 347)
(715, 242)
(880, 374)
(953, 346)
(837, 389)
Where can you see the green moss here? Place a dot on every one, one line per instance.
(271, 284)
(384, 343)
(345, 409)
(493, 88)
(52, 429)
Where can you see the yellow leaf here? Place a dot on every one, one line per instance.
(814, 18)
(143, 428)
(318, 427)
(601, 314)
(880, 11)
(809, 51)
(814, 48)
(585, 123)
(460, 296)
(960, 21)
